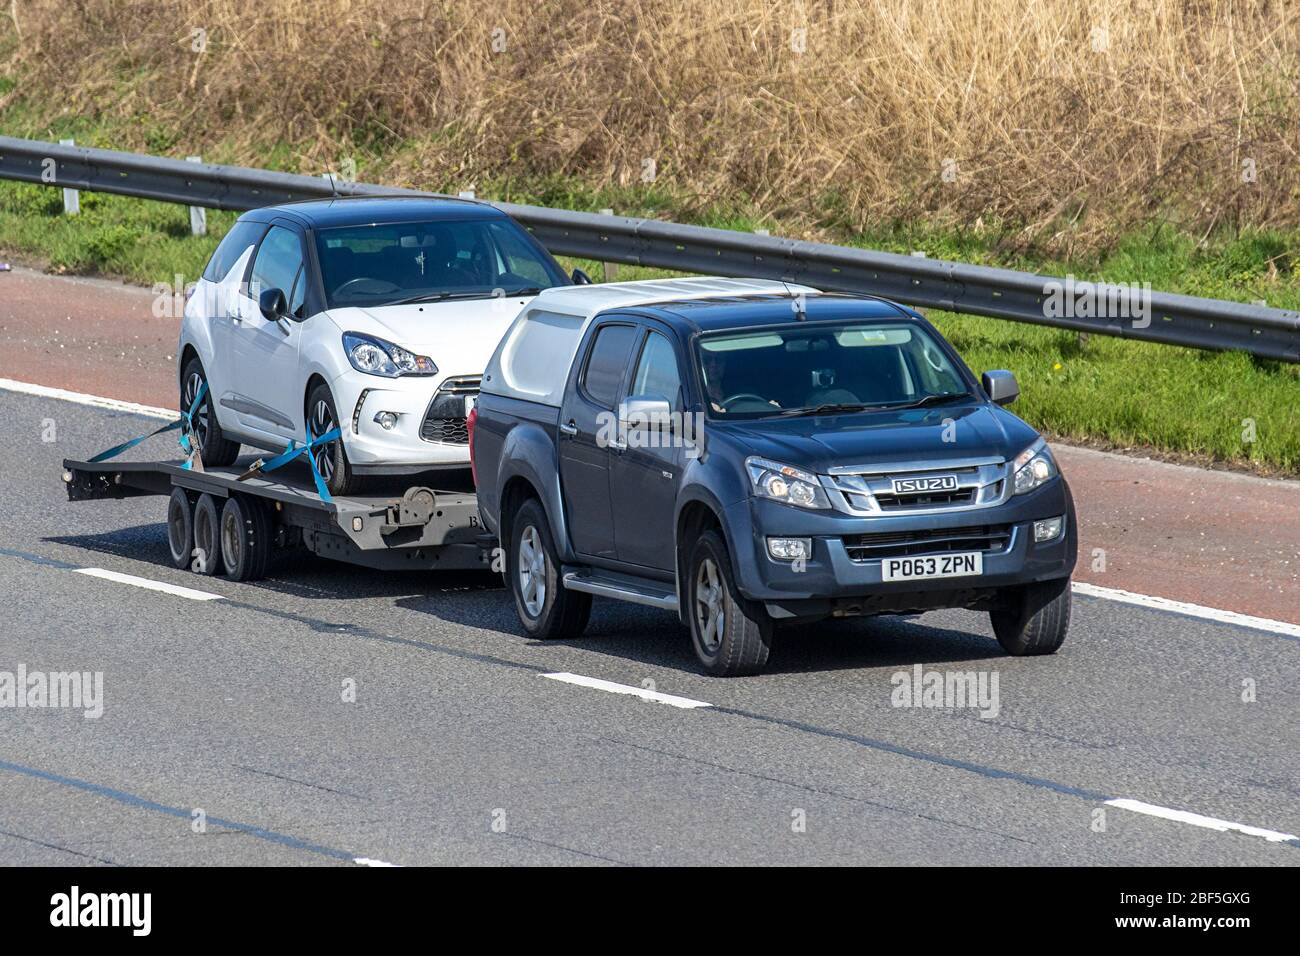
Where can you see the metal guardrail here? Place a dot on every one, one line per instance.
(926, 283)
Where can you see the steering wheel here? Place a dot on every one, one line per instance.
(726, 402)
(390, 286)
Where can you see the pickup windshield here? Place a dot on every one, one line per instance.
(827, 368)
(391, 263)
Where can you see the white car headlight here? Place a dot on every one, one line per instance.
(376, 356)
(1033, 468)
(789, 485)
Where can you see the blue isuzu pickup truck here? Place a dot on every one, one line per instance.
(748, 453)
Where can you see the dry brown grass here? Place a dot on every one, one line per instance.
(1058, 120)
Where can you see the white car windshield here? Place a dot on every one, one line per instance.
(390, 263)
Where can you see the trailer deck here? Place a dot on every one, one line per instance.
(389, 527)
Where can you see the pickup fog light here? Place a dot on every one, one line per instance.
(1049, 529)
(790, 549)
(784, 483)
(386, 420)
(1033, 468)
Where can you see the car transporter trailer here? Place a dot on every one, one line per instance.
(235, 518)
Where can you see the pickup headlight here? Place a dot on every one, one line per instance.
(1033, 468)
(376, 356)
(783, 483)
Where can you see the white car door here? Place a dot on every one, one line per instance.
(268, 397)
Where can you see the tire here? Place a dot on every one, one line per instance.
(1035, 618)
(556, 612)
(331, 459)
(245, 538)
(180, 528)
(731, 635)
(215, 449)
(207, 537)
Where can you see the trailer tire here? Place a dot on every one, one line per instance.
(245, 538)
(180, 528)
(207, 537)
(546, 608)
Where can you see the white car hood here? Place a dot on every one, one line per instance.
(460, 336)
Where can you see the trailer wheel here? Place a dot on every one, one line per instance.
(207, 537)
(245, 538)
(180, 528)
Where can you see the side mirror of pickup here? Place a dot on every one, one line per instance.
(581, 278)
(1001, 386)
(644, 413)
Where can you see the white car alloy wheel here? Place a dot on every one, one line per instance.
(532, 572)
(322, 421)
(201, 426)
(710, 618)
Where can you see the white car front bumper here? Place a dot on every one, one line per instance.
(373, 449)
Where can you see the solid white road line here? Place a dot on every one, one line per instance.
(63, 395)
(1191, 610)
(595, 682)
(1196, 820)
(175, 589)
(366, 861)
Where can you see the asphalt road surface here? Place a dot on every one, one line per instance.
(226, 737)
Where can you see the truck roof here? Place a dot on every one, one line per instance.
(533, 359)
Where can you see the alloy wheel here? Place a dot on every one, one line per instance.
(532, 571)
(710, 618)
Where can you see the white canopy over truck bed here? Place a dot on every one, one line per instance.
(533, 359)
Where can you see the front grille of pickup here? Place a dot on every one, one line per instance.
(871, 491)
(444, 422)
(991, 538)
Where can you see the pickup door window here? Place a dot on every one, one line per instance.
(586, 433)
(644, 468)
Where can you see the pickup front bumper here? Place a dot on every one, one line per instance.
(844, 574)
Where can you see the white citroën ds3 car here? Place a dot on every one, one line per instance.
(373, 315)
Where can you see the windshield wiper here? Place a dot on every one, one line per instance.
(933, 400)
(444, 296)
(827, 409)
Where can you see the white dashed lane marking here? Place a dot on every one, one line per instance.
(610, 687)
(146, 583)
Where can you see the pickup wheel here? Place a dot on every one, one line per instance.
(1034, 619)
(546, 608)
(731, 635)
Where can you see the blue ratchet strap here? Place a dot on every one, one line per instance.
(295, 450)
(188, 428)
(184, 423)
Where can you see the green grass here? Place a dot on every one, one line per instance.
(1111, 391)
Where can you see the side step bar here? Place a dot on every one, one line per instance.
(623, 587)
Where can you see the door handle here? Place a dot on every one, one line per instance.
(570, 428)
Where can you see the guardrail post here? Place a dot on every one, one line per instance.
(198, 215)
(610, 269)
(71, 198)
